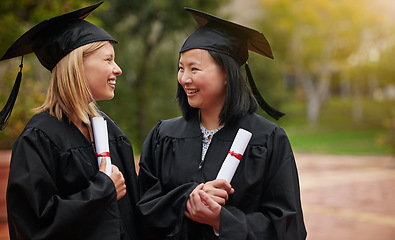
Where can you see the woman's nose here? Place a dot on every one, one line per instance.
(117, 70)
(185, 78)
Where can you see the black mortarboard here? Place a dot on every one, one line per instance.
(233, 39)
(51, 40)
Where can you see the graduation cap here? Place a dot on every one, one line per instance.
(50, 41)
(235, 40)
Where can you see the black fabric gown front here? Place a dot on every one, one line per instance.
(55, 190)
(265, 204)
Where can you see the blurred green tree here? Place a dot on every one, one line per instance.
(318, 40)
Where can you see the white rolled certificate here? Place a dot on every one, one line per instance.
(234, 156)
(100, 135)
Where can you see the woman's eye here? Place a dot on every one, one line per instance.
(194, 69)
(180, 69)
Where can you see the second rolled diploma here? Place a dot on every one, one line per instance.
(234, 156)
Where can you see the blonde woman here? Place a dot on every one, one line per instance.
(56, 189)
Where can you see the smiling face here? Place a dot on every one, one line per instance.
(101, 72)
(203, 80)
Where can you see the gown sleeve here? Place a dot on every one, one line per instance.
(162, 210)
(36, 207)
(280, 215)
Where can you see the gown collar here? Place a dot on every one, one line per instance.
(181, 128)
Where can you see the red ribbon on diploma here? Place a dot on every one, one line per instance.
(103, 154)
(236, 155)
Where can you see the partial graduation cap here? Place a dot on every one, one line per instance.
(50, 41)
(219, 35)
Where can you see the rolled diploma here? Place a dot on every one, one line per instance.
(100, 135)
(230, 163)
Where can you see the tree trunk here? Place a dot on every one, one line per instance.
(153, 40)
(313, 109)
(345, 85)
(317, 91)
(357, 104)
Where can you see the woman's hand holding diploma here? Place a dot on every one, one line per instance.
(116, 177)
(218, 190)
(204, 203)
(202, 208)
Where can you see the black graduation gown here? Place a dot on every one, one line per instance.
(55, 190)
(266, 202)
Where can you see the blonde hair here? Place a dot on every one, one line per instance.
(68, 93)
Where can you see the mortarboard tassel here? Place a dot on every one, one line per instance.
(264, 105)
(6, 111)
